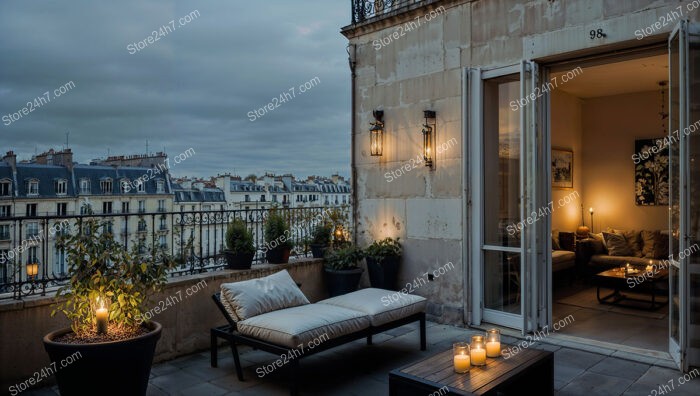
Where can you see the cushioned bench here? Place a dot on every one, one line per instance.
(273, 315)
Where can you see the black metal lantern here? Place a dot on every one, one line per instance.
(428, 133)
(376, 134)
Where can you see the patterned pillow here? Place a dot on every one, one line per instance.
(617, 244)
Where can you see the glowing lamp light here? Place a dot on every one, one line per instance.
(376, 134)
(428, 136)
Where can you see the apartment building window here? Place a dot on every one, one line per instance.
(85, 186)
(161, 205)
(5, 188)
(31, 210)
(160, 187)
(32, 229)
(60, 187)
(32, 187)
(5, 211)
(4, 232)
(247, 198)
(106, 186)
(61, 209)
(106, 207)
(125, 207)
(142, 206)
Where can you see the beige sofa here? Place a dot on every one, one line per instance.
(273, 315)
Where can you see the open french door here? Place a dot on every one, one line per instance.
(684, 213)
(504, 170)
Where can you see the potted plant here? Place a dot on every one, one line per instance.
(383, 260)
(341, 270)
(278, 242)
(240, 248)
(109, 343)
(321, 239)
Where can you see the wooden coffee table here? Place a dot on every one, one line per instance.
(642, 282)
(529, 369)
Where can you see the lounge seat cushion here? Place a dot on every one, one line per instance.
(298, 325)
(563, 259)
(382, 306)
(245, 299)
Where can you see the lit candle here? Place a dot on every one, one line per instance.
(478, 356)
(493, 343)
(461, 357)
(102, 315)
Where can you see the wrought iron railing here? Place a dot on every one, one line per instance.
(363, 10)
(195, 239)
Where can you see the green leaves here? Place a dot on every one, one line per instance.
(101, 267)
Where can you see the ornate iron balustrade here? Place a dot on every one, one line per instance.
(363, 10)
(196, 239)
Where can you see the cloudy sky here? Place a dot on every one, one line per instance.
(193, 87)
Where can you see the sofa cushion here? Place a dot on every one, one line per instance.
(297, 326)
(649, 239)
(617, 244)
(382, 306)
(604, 260)
(563, 259)
(634, 240)
(249, 298)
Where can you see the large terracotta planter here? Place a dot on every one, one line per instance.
(108, 368)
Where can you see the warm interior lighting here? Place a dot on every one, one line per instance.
(428, 132)
(32, 269)
(376, 134)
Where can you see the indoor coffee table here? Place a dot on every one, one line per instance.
(530, 371)
(642, 282)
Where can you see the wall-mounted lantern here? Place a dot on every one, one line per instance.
(428, 136)
(376, 134)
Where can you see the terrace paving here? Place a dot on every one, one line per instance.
(358, 369)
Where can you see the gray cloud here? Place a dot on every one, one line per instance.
(191, 88)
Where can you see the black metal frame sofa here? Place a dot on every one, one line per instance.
(273, 315)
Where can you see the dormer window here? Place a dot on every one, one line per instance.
(32, 187)
(60, 186)
(106, 186)
(5, 188)
(85, 186)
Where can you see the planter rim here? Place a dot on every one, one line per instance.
(49, 338)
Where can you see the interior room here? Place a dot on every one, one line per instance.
(600, 119)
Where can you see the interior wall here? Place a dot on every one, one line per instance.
(567, 132)
(610, 127)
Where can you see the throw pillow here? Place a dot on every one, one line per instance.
(617, 244)
(249, 298)
(633, 240)
(648, 243)
(661, 248)
(555, 240)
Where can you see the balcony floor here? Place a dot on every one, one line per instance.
(357, 369)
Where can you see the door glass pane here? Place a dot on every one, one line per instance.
(674, 172)
(501, 161)
(502, 281)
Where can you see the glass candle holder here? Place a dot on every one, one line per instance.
(460, 353)
(477, 351)
(493, 343)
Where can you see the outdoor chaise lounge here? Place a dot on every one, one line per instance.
(273, 315)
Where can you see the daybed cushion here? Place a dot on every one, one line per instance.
(298, 325)
(249, 298)
(563, 259)
(382, 306)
